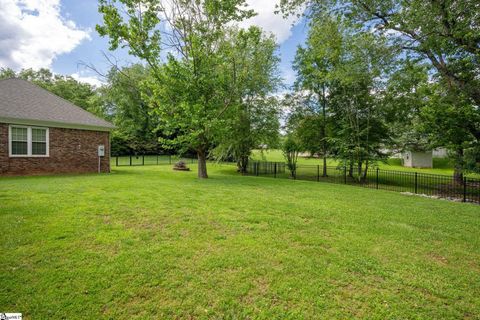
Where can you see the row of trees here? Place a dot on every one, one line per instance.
(336, 110)
(374, 77)
(378, 76)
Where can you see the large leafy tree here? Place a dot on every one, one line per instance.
(444, 32)
(425, 115)
(342, 68)
(251, 77)
(293, 140)
(186, 90)
(136, 125)
(359, 111)
(303, 118)
(407, 92)
(449, 121)
(315, 65)
(445, 35)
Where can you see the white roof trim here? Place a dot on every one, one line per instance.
(52, 124)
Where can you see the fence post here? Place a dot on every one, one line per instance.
(130, 161)
(345, 174)
(464, 189)
(256, 171)
(143, 160)
(318, 172)
(275, 170)
(416, 182)
(157, 159)
(170, 159)
(377, 179)
(116, 161)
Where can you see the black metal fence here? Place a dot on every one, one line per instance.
(442, 186)
(145, 160)
(266, 168)
(149, 160)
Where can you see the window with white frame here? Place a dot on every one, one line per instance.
(18, 141)
(28, 141)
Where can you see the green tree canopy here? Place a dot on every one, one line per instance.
(252, 78)
(446, 33)
(189, 89)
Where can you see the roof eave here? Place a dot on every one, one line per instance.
(54, 124)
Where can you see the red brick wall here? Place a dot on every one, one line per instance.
(71, 151)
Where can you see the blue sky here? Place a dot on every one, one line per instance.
(61, 35)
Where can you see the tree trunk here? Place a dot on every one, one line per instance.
(202, 164)
(324, 131)
(458, 167)
(242, 164)
(458, 176)
(364, 175)
(350, 169)
(359, 169)
(324, 174)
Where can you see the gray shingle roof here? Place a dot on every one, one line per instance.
(22, 101)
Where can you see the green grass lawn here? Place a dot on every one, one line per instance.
(440, 166)
(151, 243)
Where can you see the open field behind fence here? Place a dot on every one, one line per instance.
(468, 190)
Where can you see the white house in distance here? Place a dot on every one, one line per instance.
(418, 159)
(440, 153)
(422, 158)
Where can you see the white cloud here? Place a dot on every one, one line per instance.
(268, 20)
(94, 81)
(33, 33)
(288, 75)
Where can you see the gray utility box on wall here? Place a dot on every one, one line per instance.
(101, 151)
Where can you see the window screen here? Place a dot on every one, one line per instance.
(39, 141)
(28, 141)
(19, 141)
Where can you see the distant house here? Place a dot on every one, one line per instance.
(418, 159)
(42, 133)
(440, 153)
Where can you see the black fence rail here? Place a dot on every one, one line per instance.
(145, 160)
(150, 160)
(266, 168)
(443, 186)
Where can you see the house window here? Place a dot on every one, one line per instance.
(19, 143)
(39, 142)
(28, 141)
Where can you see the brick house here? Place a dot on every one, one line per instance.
(41, 133)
